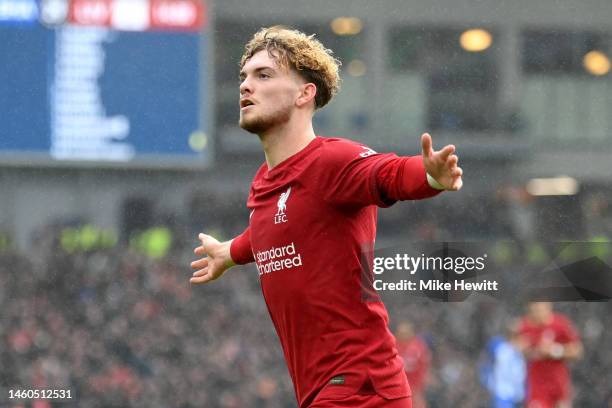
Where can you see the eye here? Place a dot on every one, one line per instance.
(264, 76)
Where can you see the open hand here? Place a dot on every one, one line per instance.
(442, 164)
(216, 259)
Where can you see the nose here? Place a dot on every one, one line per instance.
(245, 86)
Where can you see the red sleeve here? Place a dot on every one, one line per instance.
(240, 248)
(569, 334)
(404, 178)
(523, 332)
(347, 173)
(354, 174)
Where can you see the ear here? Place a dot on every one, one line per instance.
(307, 94)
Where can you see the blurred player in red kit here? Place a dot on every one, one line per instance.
(417, 360)
(548, 340)
(313, 206)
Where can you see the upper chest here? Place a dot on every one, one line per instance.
(548, 333)
(286, 207)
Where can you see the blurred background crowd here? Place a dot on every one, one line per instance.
(119, 325)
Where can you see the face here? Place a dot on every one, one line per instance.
(268, 93)
(404, 331)
(540, 311)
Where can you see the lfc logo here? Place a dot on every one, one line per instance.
(280, 216)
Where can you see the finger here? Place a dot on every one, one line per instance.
(200, 263)
(206, 240)
(452, 161)
(200, 273)
(427, 145)
(446, 152)
(199, 251)
(201, 279)
(457, 184)
(457, 172)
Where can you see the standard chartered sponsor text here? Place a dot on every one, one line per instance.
(277, 258)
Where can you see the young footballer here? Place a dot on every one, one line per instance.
(548, 340)
(313, 206)
(415, 353)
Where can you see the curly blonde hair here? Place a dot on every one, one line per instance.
(304, 53)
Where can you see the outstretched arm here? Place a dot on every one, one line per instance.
(418, 177)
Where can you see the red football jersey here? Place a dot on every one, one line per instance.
(548, 378)
(311, 217)
(417, 359)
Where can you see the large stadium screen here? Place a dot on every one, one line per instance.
(122, 82)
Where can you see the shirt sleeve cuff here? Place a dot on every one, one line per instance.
(433, 183)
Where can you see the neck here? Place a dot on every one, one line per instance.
(284, 141)
(542, 320)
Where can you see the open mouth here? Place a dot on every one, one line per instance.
(246, 103)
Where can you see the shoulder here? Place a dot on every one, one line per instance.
(342, 145)
(421, 342)
(340, 150)
(258, 178)
(261, 171)
(565, 328)
(524, 324)
(561, 320)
